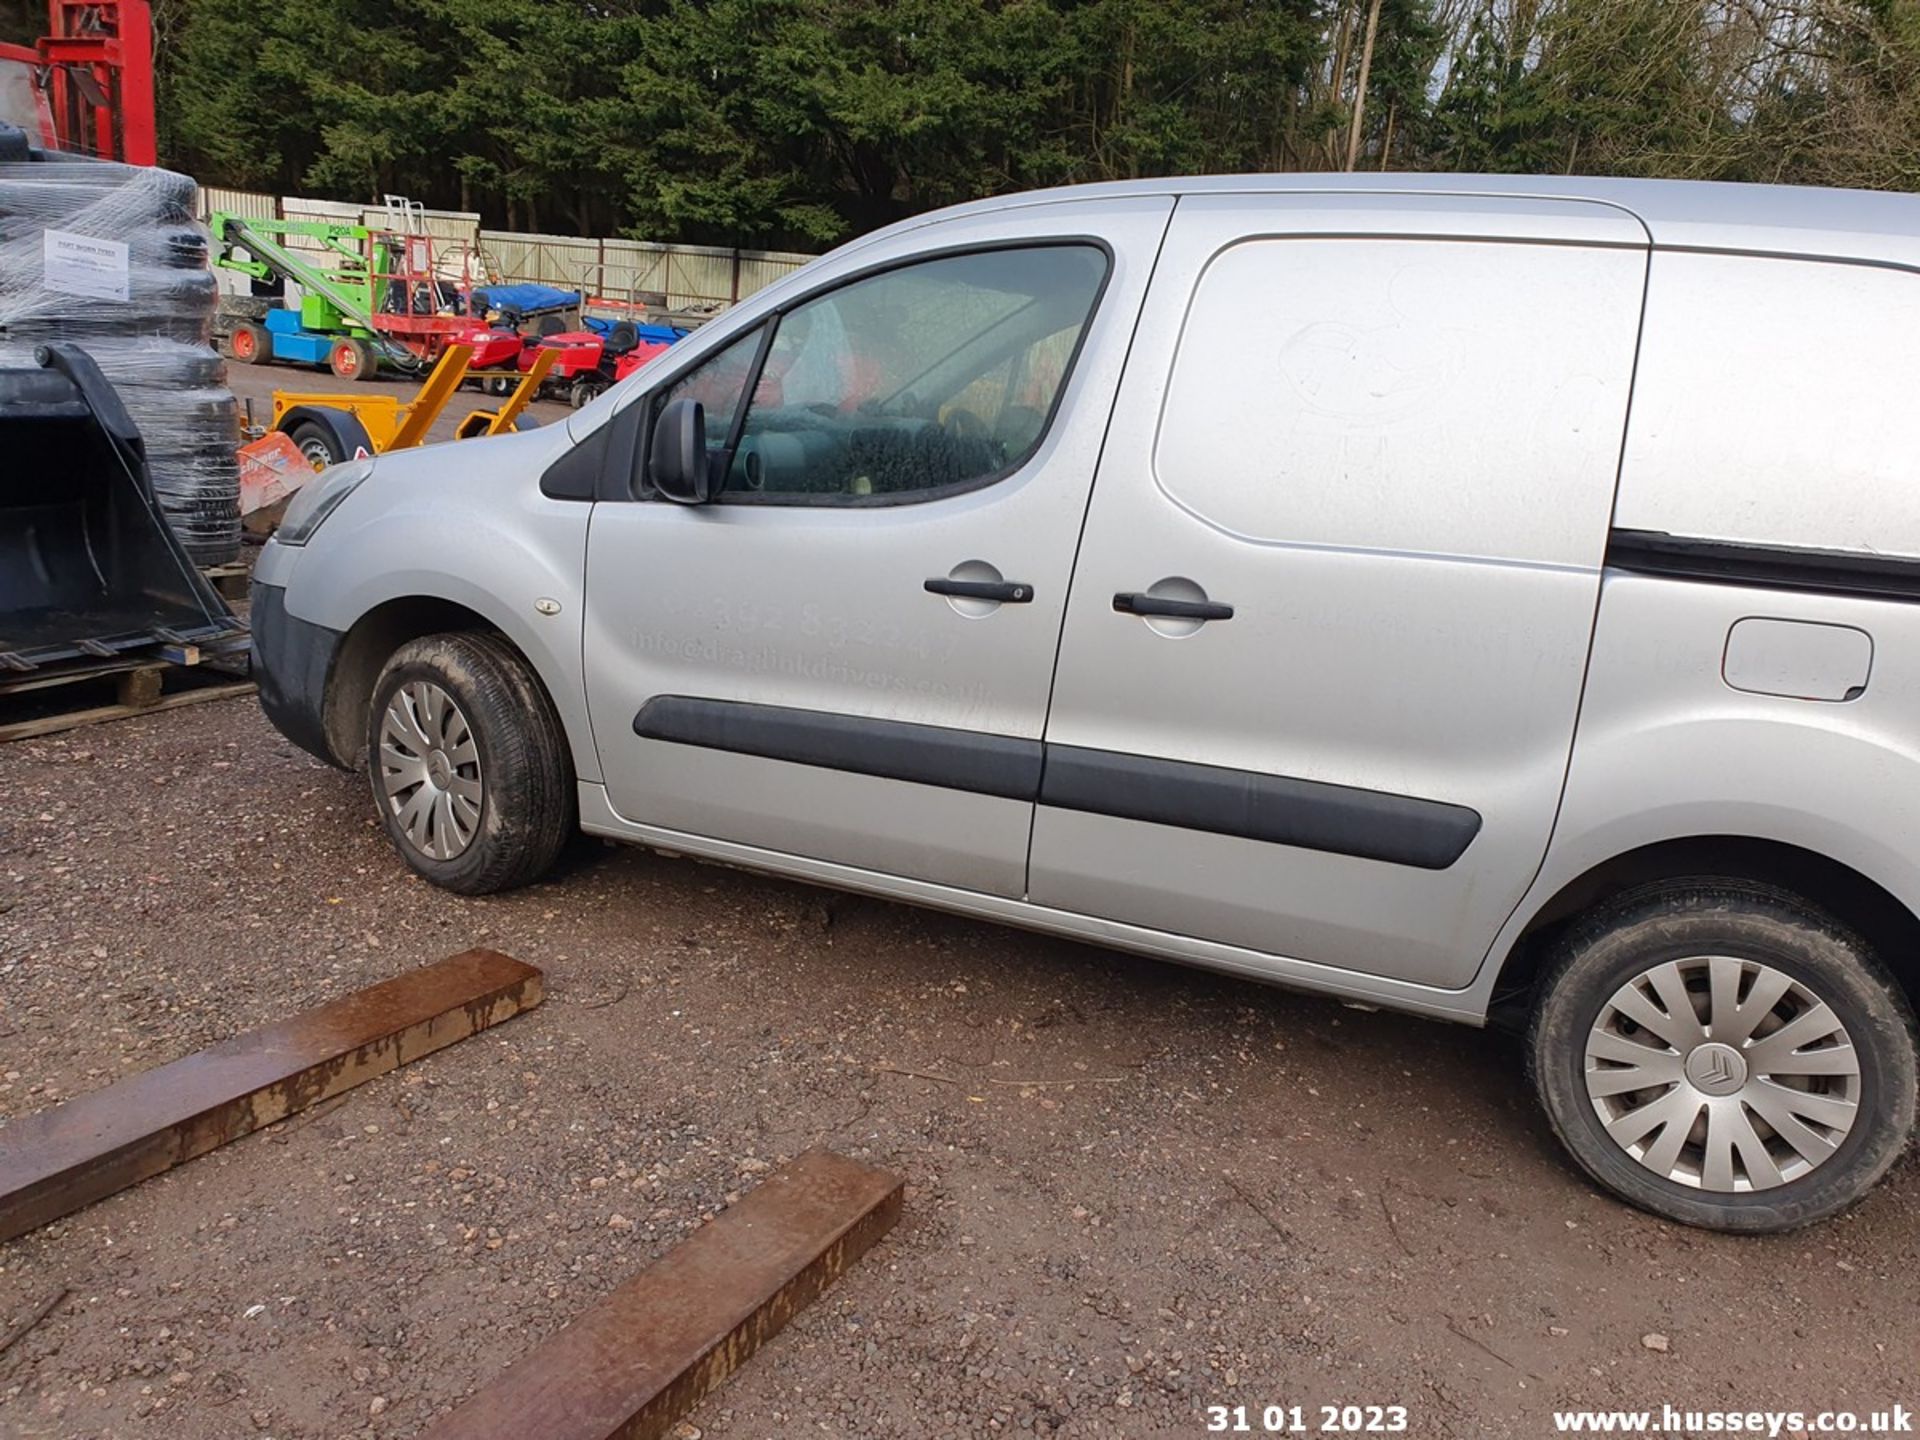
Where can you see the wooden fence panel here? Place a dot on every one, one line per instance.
(622, 272)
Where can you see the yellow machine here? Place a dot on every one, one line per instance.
(330, 428)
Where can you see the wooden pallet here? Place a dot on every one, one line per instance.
(162, 679)
(229, 579)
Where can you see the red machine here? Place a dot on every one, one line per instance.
(87, 85)
(497, 349)
(589, 362)
(494, 347)
(635, 358)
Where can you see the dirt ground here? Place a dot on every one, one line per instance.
(1134, 1190)
(258, 382)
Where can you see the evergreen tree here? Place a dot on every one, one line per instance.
(798, 123)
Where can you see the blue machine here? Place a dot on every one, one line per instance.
(292, 341)
(526, 299)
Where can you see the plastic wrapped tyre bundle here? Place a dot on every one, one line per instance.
(89, 330)
(205, 447)
(137, 365)
(155, 364)
(172, 247)
(200, 511)
(210, 548)
(208, 518)
(130, 197)
(192, 417)
(176, 197)
(140, 367)
(210, 533)
(207, 515)
(111, 320)
(182, 329)
(170, 302)
(212, 540)
(193, 461)
(155, 287)
(191, 439)
(27, 207)
(192, 475)
(191, 447)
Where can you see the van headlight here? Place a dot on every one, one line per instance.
(319, 498)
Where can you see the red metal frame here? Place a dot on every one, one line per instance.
(417, 324)
(98, 58)
(38, 120)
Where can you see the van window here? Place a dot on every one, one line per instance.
(1451, 397)
(1778, 403)
(717, 383)
(918, 381)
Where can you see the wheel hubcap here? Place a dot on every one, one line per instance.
(1723, 1074)
(430, 770)
(1715, 1069)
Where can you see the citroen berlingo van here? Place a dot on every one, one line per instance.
(1488, 597)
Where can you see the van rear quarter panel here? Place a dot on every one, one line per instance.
(1667, 749)
(1777, 402)
(1775, 405)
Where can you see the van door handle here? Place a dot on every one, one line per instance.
(1008, 592)
(1129, 602)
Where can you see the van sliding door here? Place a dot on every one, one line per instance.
(1326, 638)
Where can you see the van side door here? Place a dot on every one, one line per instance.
(1326, 638)
(845, 657)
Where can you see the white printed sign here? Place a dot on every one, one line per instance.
(82, 265)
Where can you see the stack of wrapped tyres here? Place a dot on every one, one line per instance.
(144, 314)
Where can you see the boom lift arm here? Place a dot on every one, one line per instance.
(349, 289)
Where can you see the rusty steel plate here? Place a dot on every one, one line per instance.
(648, 1353)
(54, 1162)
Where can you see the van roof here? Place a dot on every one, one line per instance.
(1864, 225)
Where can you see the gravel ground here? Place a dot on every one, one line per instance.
(1134, 1190)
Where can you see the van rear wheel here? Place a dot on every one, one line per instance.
(468, 763)
(1725, 1055)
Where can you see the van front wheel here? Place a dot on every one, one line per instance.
(468, 763)
(1725, 1055)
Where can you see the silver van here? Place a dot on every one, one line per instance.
(1492, 598)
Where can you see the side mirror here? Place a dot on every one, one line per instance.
(677, 457)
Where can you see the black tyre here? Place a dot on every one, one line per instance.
(320, 445)
(586, 390)
(351, 358)
(161, 368)
(468, 763)
(1725, 1055)
(250, 344)
(170, 290)
(180, 247)
(326, 436)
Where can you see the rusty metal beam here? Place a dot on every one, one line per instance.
(648, 1353)
(54, 1162)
